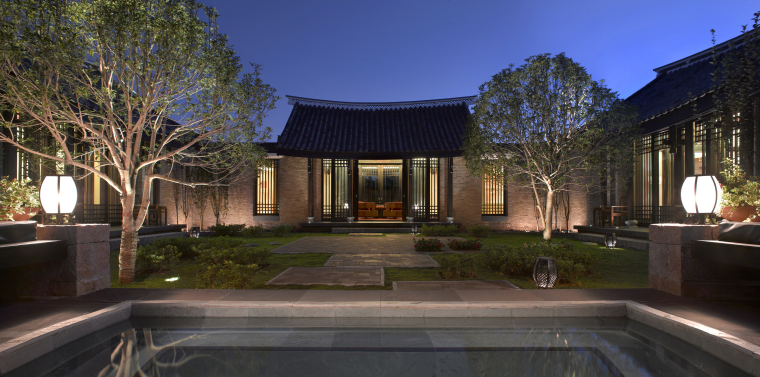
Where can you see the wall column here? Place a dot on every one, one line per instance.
(311, 187)
(450, 189)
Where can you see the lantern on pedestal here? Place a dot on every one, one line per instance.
(610, 240)
(700, 195)
(58, 196)
(545, 272)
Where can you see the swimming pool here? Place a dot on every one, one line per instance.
(598, 346)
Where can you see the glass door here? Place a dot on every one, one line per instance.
(379, 189)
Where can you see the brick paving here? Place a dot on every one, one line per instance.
(466, 285)
(381, 260)
(348, 276)
(389, 244)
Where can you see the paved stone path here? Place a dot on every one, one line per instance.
(381, 260)
(467, 285)
(390, 244)
(330, 276)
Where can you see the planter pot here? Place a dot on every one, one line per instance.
(26, 214)
(739, 213)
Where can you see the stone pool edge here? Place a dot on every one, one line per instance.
(21, 350)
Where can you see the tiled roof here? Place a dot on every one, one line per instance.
(375, 130)
(671, 91)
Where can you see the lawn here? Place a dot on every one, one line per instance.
(618, 268)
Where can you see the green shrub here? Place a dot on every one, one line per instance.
(186, 244)
(230, 267)
(430, 244)
(155, 258)
(232, 230)
(456, 244)
(282, 230)
(254, 231)
(478, 230)
(439, 230)
(457, 266)
(215, 243)
(518, 261)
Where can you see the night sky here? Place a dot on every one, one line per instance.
(389, 50)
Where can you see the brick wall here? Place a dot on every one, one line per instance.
(522, 211)
(317, 164)
(467, 195)
(294, 190)
(294, 204)
(443, 174)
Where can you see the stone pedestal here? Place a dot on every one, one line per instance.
(671, 266)
(87, 267)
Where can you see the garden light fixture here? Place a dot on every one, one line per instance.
(545, 272)
(195, 232)
(700, 194)
(58, 195)
(610, 240)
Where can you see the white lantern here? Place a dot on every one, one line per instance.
(700, 194)
(58, 194)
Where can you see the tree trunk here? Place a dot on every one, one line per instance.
(128, 247)
(548, 215)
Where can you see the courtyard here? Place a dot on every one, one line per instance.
(396, 256)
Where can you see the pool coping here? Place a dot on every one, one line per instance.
(26, 348)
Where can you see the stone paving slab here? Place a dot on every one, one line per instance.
(389, 244)
(348, 276)
(466, 285)
(381, 260)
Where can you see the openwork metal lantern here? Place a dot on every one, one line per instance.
(610, 240)
(545, 272)
(58, 195)
(195, 232)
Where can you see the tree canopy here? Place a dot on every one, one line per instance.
(548, 125)
(140, 86)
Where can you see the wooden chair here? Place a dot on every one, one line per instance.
(367, 209)
(392, 210)
(619, 211)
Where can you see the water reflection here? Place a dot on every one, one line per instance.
(530, 347)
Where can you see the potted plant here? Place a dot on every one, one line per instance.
(741, 194)
(19, 199)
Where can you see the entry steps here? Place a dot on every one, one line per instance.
(370, 230)
(624, 242)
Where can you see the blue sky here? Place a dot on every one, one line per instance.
(389, 50)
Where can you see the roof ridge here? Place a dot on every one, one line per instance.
(468, 100)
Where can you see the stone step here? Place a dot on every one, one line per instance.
(371, 230)
(624, 242)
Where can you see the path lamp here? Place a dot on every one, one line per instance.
(610, 240)
(700, 195)
(545, 272)
(58, 195)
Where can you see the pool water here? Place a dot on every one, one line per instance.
(465, 347)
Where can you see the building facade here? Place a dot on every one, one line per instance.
(683, 135)
(378, 162)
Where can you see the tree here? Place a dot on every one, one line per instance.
(546, 125)
(201, 193)
(736, 84)
(219, 201)
(101, 79)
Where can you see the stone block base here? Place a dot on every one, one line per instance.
(85, 269)
(673, 269)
